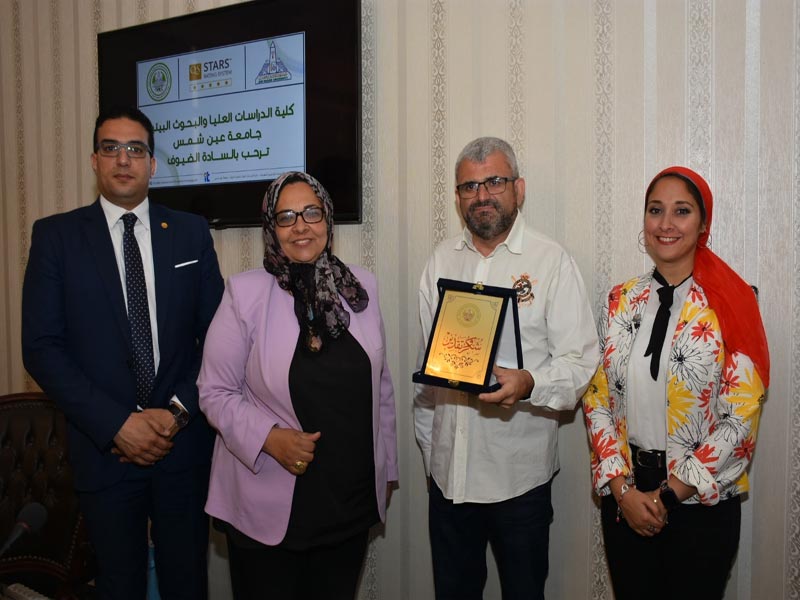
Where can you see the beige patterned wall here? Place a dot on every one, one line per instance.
(596, 95)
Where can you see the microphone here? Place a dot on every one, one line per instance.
(30, 519)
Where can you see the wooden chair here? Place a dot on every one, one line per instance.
(58, 561)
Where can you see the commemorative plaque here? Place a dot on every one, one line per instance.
(465, 334)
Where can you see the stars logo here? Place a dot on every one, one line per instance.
(524, 288)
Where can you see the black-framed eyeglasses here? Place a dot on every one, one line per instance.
(494, 185)
(112, 148)
(311, 214)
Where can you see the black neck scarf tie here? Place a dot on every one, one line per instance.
(659, 332)
(138, 313)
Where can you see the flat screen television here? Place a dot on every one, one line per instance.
(238, 95)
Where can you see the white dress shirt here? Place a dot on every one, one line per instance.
(141, 231)
(478, 452)
(647, 398)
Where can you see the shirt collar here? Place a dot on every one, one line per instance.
(113, 213)
(513, 241)
(681, 290)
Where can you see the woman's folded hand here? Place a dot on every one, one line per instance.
(293, 449)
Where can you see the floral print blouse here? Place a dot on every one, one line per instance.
(713, 398)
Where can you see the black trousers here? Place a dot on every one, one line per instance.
(518, 530)
(272, 572)
(117, 521)
(690, 558)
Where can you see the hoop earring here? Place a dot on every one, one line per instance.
(642, 245)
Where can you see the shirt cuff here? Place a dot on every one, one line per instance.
(174, 400)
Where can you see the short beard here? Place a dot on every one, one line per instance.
(489, 228)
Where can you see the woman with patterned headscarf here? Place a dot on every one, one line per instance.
(295, 382)
(672, 412)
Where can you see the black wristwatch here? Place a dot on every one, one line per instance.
(668, 496)
(181, 416)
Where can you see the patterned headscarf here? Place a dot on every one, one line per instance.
(315, 286)
(732, 299)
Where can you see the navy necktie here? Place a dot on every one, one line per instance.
(138, 313)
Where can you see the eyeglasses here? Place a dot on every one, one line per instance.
(311, 214)
(111, 148)
(494, 185)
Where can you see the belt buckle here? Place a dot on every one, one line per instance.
(648, 459)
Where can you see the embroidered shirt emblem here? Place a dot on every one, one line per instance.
(524, 288)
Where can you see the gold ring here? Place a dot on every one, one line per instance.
(655, 500)
(300, 466)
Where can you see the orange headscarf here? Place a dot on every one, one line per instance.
(732, 299)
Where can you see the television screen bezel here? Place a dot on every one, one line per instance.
(333, 94)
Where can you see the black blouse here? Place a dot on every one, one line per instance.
(335, 498)
(332, 393)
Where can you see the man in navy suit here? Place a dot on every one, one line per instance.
(135, 459)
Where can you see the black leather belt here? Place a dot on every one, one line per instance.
(648, 459)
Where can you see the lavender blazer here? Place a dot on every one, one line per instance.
(244, 392)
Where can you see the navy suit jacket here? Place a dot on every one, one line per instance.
(76, 338)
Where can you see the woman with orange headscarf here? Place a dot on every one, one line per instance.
(672, 412)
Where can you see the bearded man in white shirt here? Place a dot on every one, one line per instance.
(491, 457)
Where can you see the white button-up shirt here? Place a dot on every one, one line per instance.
(647, 399)
(478, 452)
(141, 231)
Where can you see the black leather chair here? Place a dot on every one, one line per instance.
(57, 561)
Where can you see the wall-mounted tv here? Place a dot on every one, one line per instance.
(238, 95)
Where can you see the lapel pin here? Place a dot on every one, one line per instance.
(164, 225)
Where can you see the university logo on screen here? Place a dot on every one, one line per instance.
(159, 82)
(273, 69)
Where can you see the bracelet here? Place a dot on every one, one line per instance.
(622, 491)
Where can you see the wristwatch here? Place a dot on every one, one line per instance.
(668, 496)
(181, 416)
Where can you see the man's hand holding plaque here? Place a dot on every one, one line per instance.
(515, 385)
(464, 338)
